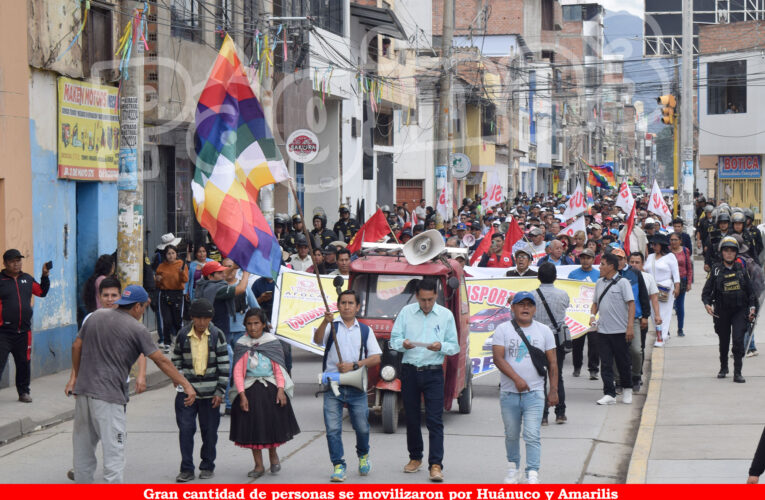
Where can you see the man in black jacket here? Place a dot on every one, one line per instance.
(16, 290)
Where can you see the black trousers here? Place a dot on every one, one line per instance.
(427, 386)
(614, 347)
(592, 352)
(560, 408)
(171, 313)
(731, 322)
(19, 345)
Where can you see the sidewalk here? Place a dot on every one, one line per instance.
(696, 428)
(50, 407)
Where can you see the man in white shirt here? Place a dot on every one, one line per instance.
(301, 261)
(522, 397)
(349, 333)
(421, 212)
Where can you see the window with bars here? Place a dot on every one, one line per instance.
(224, 20)
(184, 20)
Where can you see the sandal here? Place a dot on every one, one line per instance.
(276, 468)
(255, 473)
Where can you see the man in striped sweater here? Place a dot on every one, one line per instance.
(201, 355)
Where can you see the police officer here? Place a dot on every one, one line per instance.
(346, 227)
(728, 297)
(281, 228)
(321, 235)
(756, 235)
(714, 237)
(704, 226)
(738, 221)
(292, 236)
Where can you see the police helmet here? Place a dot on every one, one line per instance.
(708, 208)
(301, 241)
(742, 247)
(723, 217)
(748, 213)
(296, 219)
(385, 209)
(281, 219)
(343, 209)
(729, 242)
(738, 217)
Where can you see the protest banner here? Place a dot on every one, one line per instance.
(489, 297)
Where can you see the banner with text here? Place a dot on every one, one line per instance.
(489, 299)
(88, 131)
(298, 307)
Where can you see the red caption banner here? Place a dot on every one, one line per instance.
(386, 492)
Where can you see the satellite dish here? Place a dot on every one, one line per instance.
(468, 240)
(424, 247)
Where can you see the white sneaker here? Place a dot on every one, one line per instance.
(658, 343)
(512, 474)
(532, 477)
(627, 396)
(608, 400)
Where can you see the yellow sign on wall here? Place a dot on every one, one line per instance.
(88, 131)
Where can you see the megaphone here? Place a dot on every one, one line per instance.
(468, 240)
(355, 378)
(424, 247)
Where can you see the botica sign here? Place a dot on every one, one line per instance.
(302, 146)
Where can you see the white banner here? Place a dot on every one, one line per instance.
(625, 200)
(658, 206)
(576, 204)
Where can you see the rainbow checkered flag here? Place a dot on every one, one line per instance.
(236, 156)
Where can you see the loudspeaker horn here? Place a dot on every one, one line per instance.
(468, 240)
(355, 378)
(424, 247)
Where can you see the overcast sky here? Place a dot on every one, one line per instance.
(634, 7)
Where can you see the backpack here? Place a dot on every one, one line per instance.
(362, 352)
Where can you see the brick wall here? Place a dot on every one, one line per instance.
(506, 16)
(716, 38)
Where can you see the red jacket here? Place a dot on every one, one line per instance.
(16, 301)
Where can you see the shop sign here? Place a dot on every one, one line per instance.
(739, 167)
(302, 146)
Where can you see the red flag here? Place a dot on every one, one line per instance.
(483, 247)
(514, 234)
(372, 230)
(628, 233)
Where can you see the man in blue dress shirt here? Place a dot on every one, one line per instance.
(425, 332)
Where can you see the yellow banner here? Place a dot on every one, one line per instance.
(298, 307)
(88, 131)
(489, 307)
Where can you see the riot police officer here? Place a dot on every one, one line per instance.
(281, 229)
(714, 237)
(321, 235)
(704, 225)
(729, 298)
(346, 227)
(756, 235)
(738, 221)
(297, 229)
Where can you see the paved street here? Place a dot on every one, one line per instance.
(593, 447)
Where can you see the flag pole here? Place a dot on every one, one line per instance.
(315, 268)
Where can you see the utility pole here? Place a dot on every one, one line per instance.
(686, 113)
(130, 234)
(676, 140)
(443, 143)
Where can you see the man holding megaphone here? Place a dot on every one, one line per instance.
(358, 350)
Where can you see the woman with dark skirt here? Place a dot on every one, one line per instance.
(261, 413)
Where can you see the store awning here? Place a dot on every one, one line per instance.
(383, 20)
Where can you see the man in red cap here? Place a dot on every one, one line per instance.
(16, 290)
(215, 289)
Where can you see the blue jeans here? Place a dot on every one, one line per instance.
(523, 408)
(234, 336)
(333, 421)
(427, 385)
(186, 418)
(680, 310)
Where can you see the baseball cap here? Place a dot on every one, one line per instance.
(618, 252)
(133, 294)
(588, 252)
(461, 225)
(212, 267)
(535, 231)
(201, 308)
(524, 296)
(650, 220)
(475, 226)
(12, 254)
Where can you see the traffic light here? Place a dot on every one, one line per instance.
(668, 104)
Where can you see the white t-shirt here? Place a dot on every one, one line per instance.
(663, 269)
(517, 354)
(650, 283)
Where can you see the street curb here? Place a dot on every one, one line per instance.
(15, 429)
(638, 468)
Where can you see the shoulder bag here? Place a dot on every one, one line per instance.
(561, 331)
(663, 290)
(538, 356)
